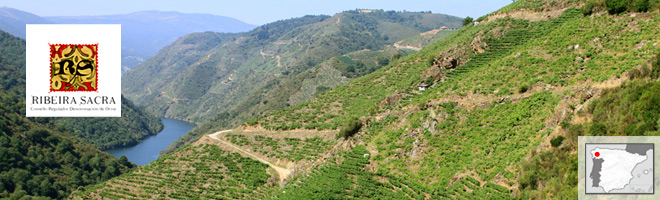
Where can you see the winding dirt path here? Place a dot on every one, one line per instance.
(399, 46)
(282, 172)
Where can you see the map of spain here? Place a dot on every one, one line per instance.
(613, 168)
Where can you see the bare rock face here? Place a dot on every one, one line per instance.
(434, 72)
(391, 99)
(478, 46)
(457, 56)
(451, 58)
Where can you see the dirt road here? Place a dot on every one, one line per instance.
(282, 172)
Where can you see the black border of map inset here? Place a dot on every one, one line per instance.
(585, 170)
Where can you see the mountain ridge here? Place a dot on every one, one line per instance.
(271, 67)
(143, 33)
(13, 21)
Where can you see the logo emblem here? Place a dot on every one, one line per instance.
(73, 67)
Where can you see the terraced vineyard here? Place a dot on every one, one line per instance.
(206, 171)
(569, 50)
(489, 129)
(351, 179)
(519, 33)
(483, 143)
(528, 67)
(343, 180)
(287, 148)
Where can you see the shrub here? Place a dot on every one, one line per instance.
(383, 61)
(597, 129)
(350, 127)
(321, 89)
(523, 88)
(467, 21)
(430, 59)
(482, 18)
(429, 81)
(634, 73)
(396, 57)
(251, 122)
(565, 124)
(616, 6)
(655, 69)
(588, 8)
(641, 5)
(557, 141)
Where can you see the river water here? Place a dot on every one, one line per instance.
(148, 150)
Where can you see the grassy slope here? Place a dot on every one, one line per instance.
(196, 171)
(485, 143)
(339, 48)
(463, 139)
(258, 66)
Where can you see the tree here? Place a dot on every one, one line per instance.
(37, 135)
(641, 5)
(350, 128)
(557, 141)
(123, 160)
(382, 61)
(468, 20)
(616, 6)
(655, 67)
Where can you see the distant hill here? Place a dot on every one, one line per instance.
(13, 21)
(228, 78)
(146, 32)
(143, 33)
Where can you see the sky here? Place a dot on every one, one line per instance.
(255, 12)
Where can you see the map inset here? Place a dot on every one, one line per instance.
(613, 168)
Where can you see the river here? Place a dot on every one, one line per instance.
(148, 150)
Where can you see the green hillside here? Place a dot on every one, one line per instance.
(38, 157)
(209, 173)
(249, 74)
(508, 98)
(114, 132)
(102, 132)
(228, 78)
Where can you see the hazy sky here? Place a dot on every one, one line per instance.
(256, 12)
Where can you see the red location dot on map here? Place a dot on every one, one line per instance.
(597, 154)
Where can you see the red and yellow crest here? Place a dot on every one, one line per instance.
(73, 67)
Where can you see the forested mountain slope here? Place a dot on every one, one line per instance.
(39, 157)
(102, 132)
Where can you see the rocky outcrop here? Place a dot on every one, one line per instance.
(453, 58)
(391, 99)
(478, 46)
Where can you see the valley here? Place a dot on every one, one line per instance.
(149, 148)
(361, 104)
(507, 98)
(273, 66)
